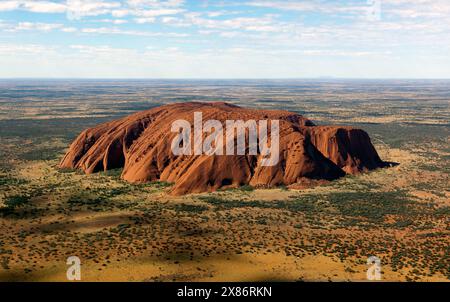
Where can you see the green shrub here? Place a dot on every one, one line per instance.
(190, 208)
(13, 202)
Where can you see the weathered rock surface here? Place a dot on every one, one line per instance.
(141, 144)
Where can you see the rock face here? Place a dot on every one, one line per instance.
(141, 144)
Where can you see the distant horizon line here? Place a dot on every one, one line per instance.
(215, 79)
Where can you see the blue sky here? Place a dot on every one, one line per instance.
(225, 38)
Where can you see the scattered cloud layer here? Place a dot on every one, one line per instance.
(216, 38)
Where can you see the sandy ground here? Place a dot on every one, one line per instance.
(245, 268)
(256, 266)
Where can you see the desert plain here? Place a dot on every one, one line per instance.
(139, 232)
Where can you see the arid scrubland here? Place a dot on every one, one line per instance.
(131, 232)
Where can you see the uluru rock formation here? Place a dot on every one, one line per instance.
(141, 145)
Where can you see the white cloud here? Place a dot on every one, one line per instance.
(145, 13)
(175, 21)
(230, 34)
(419, 8)
(144, 10)
(145, 20)
(120, 13)
(74, 8)
(114, 21)
(344, 53)
(155, 3)
(33, 6)
(118, 31)
(286, 5)
(21, 49)
(36, 26)
(101, 50)
(119, 21)
(312, 6)
(9, 5)
(260, 24)
(43, 7)
(69, 29)
(158, 12)
(77, 9)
